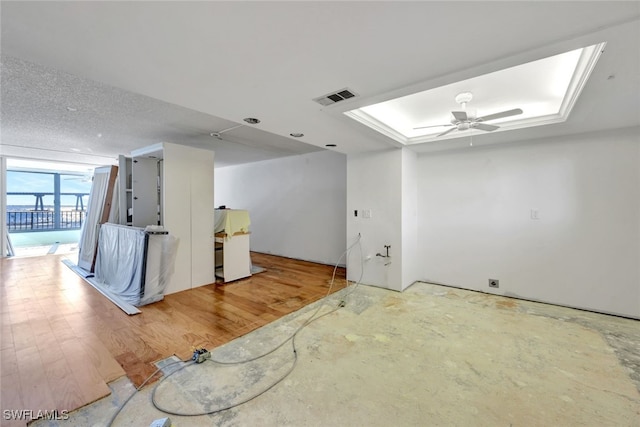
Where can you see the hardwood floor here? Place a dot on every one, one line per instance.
(62, 341)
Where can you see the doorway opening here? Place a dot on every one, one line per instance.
(46, 206)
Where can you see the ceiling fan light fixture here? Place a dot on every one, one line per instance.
(464, 97)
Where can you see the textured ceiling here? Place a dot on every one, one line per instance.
(47, 113)
(270, 59)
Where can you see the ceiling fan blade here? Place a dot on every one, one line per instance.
(484, 126)
(507, 113)
(460, 116)
(432, 126)
(446, 132)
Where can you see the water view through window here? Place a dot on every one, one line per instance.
(45, 208)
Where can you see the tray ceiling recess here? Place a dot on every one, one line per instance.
(536, 93)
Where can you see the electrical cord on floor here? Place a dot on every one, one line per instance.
(333, 276)
(121, 407)
(291, 338)
(357, 283)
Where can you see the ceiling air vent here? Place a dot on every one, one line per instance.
(334, 97)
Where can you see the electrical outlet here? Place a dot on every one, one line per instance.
(200, 355)
(494, 283)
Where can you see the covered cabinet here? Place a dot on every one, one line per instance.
(135, 264)
(232, 257)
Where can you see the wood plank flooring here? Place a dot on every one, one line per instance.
(62, 341)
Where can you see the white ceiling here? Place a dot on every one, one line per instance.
(214, 63)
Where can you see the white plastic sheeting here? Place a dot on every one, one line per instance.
(133, 263)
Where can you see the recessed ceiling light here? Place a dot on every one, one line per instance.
(99, 135)
(297, 134)
(330, 145)
(252, 120)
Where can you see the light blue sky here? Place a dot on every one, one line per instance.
(18, 181)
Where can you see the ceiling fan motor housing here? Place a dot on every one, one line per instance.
(464, 97)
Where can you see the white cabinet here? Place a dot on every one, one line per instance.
(140, 190)
(172, 185)
(126, 197)
(146, 189)
(232, 257)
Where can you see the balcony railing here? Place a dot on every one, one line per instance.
(42, 219)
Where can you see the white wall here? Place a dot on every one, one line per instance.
(384, 183)
(296, 204)
(410, 260)
(584, 250)
(374, 183)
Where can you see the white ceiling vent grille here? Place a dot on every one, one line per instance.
(334, 97)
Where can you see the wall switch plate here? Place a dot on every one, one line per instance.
(535, 214)
(494, 283)
(366, 213)
(355, 212)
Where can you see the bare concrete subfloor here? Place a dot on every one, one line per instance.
(431, 356)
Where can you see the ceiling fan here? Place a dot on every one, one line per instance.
(462, 121)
